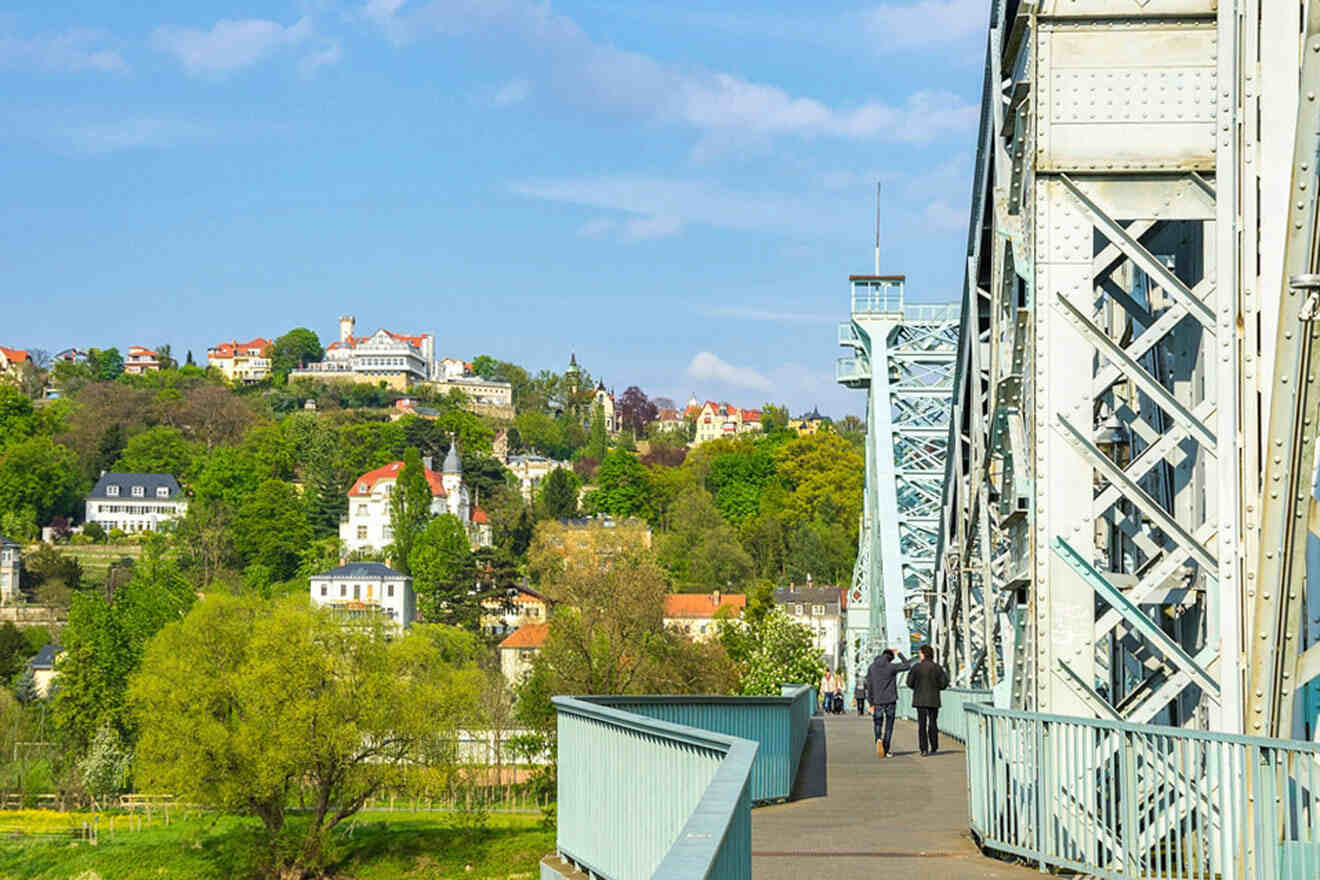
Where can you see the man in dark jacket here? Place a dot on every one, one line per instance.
(927, 679)
(882, 692)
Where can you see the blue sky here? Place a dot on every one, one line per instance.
(675, 190)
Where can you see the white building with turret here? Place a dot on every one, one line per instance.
(397, 359)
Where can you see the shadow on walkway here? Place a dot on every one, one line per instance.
(812, 781)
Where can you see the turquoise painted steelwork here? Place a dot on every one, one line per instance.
(953, 702)
(640, 797)
(778, 725)
(1119, 800)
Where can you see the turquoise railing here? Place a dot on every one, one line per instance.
(952, 719)
(640, 797)
(1119, 800)
(778, 725)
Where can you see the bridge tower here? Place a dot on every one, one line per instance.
(903, 355)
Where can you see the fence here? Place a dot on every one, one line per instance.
(640, 797)
(778, 725)
(953, 701)
(1120, 800)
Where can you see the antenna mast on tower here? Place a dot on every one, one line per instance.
(877, 227)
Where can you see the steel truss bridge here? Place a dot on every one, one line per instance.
(1124, 522)
(904, 356)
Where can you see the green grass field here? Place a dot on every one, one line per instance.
(376, 846)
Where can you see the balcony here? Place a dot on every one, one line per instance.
(852, 371)
(848, 334)
(877, 294)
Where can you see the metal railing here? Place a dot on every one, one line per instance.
(877, 295)
(640, 797)
(1118, 800)
(851, 369)
(778, 725)
(952, 719)
(848, 334)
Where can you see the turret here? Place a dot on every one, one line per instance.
(346, 325)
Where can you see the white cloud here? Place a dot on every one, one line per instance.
(74, 51)
(129, 134)
(943, 216)
(229, 45)
(332, 53)
(515, 91)
(709, 367)
(621, 82)
(598, 228)
(928, 22)
(651, 228)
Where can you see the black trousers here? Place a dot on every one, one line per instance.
(928, 731)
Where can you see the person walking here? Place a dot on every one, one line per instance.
(927, 679)
(859, 694)
(827, 688)
(882, 693)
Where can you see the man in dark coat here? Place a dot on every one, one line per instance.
(882, 692)
(927, 679)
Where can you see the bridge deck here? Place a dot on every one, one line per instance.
(858, 816)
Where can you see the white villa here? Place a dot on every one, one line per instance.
(396, 359)
(366, 526)
(365, 589)
(135, 502)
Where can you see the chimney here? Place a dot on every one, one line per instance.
(346, 325)
(426, 462)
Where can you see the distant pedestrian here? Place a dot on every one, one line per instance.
(859, 694)
(927, 679)
(881, 690)
(827, 688)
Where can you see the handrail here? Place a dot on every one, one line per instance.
(641, 797)
(951, 719)
(1115, 799)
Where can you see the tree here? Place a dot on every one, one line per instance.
(49, 566)
(105, 767)
(410, 508)
(205, 539)
(190, 362)
(159, 450)
(443, 573)
(771, 651)
(598, 441)
(291, 705)
(635, 411)
(559, 494)
(105, 365)
(39, 475)
(26, 689)
(773, 417)
(271, 528)
(297, 347)
(623, 488)
(18, 418)
(13, 650)
(166, 357)
(485, 366)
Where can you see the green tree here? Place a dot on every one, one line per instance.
(18, 419)
(105, 767)
(14, 650)
(410, 508)
(559, 494)
(485, 366)
(773, 417)
(104, 641)
(271, 528)
(106, 365)
(297, 347)
(443, 573)
(771, 651)
(159, 450)
(623, 488)
(41, 475)
(597, 441)
(290, 704)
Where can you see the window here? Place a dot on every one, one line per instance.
(817, 610)
(362, 510)
(797, 610)
(139, 492)
(357, 591)
(112, 491)
(369, 587)
(162, 491)
(362, 533)
(390, 591)
(342, 590)
(322, 589)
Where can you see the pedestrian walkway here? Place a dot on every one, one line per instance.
(857, 816)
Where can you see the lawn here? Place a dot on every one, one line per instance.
(376, 846)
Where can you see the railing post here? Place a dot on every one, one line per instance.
(1127, 793)
(1038, 830)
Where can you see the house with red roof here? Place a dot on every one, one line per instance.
(725, 420)
(696, 615)
(140, 360)
(366, 526)
(241, 362)
(399, 360)
(520, 648)
(12, 360)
